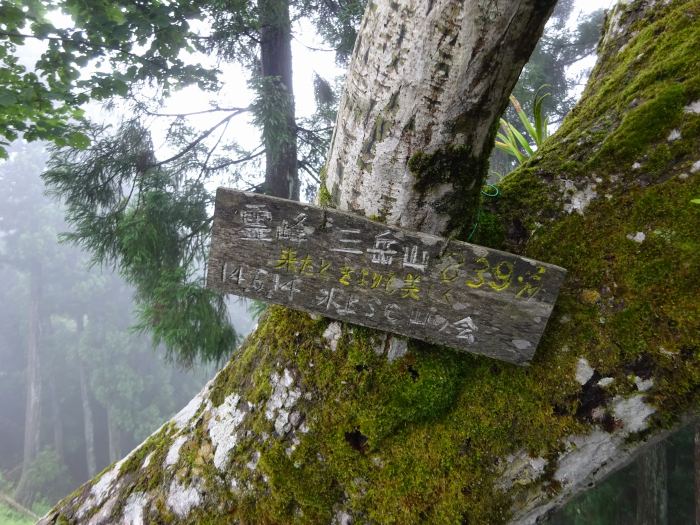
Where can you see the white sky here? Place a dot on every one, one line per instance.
(235, 92)
(306, 63)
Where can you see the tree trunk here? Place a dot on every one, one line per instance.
(32, 413)
(88, 425)
(427, 77)
(652, 487)
(113, 437)
(281, 178)
(56, 419)
(319, 422)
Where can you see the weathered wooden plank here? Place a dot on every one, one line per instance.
(346, 267)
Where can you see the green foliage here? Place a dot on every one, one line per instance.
(559, 47)
(148, 217)
(271, 109)
(48, 476)
(514, 143)
(257, 308)
(337, 22)
(133, 214)
(10, 517)
(45, 103)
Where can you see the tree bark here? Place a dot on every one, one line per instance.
(113, 437)
(319, 422)
(281, 177)
(88, 424)
(427, 76)
(32, 417)
(652, 487)
(56, 419)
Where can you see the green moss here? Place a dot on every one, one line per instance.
(490, 231)
(465, 172)
(650, 121)
(324, 196)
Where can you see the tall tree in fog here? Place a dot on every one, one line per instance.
(84, 377)
(145, 214)
(27, 234)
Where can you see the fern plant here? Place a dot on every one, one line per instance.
(511, 141)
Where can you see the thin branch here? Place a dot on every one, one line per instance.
(238, 111)
(240, 160)
(311, 48)
(197, 141)
(211, 152)
(314, 131)
(303, 165)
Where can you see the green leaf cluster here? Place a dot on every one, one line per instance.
(511, 141)
(139, 46)
(133, 214)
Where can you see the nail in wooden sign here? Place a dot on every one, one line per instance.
(349, 268)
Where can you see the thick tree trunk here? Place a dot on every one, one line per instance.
(427, 77)
(319, 422)
(281, 178)
(652, 487)
(32, 413)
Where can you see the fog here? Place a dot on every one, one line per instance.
(67, 341)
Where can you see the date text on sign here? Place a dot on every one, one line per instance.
(346, 267)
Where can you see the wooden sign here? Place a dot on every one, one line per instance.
(346, 267)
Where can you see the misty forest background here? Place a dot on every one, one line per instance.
(73, 331)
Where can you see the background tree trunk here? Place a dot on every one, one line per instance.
(88, 424)
(56, 419)
(281, 178)
(652, 487)
(113, 437)
(32, 418)
(319, 422)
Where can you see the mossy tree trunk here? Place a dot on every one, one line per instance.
(319, 422)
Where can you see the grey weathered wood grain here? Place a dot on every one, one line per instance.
(346, 267)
